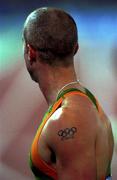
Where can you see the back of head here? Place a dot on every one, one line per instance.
(53, 33)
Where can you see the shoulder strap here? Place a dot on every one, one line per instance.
(87, 93)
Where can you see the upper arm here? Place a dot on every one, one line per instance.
(72, 138)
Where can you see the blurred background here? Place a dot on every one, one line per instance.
(22, 104)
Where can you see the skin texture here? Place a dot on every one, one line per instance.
(87, 154)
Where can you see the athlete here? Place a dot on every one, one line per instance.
(74, 140)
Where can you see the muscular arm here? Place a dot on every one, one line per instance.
(71, 136)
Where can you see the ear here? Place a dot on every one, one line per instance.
(31, 53)
(76, 47)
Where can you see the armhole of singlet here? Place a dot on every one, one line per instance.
(35, 156)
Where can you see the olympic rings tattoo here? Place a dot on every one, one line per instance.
(67, 133)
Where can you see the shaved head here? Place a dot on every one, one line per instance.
(53, 33)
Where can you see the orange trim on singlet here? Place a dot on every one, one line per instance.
(36, 159)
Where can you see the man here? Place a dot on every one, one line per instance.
(74, 140)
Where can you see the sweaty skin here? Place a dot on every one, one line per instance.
(88, 154)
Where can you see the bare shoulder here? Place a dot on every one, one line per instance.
(73, 122)
(71, 134)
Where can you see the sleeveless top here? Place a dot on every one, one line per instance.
(39, 167)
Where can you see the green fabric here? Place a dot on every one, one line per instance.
(61, 94)
(38, 174)
(91, 96)
(87, 92)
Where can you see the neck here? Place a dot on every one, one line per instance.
(51, 80)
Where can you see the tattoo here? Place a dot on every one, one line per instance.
(67, 133)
